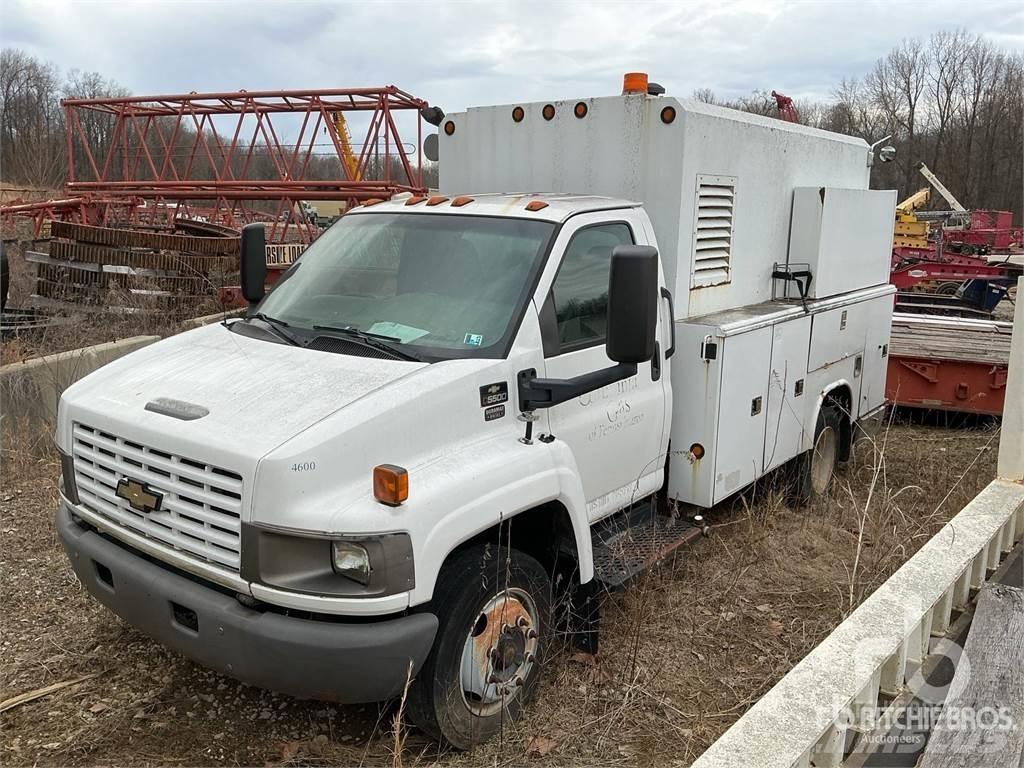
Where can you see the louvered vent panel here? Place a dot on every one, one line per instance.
(712, 231)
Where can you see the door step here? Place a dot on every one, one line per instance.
(630, 543)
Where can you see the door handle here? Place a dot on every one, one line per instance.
(667, 294)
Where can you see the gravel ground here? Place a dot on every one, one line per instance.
(683, 654)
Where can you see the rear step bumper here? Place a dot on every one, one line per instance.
(362, 661)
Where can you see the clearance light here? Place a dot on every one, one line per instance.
(390, 484)
(415, 199)
(372, 201)
(460, 201)
(548, 112)
(668, 114)
(634, 82)
(437, 200)
(518, 114)
(536, 205)
(697, 451)
(580, 110)
(449, 128)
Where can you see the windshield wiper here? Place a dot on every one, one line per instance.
(277, 326)
(373, 340)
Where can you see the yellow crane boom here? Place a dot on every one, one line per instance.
(348, 158)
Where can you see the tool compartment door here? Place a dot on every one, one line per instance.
(784, 422)
(739, 455)
(876, 352)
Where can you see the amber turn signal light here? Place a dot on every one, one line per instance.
(390, 484)
(697, 451)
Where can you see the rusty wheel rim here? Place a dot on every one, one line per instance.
(500, 652)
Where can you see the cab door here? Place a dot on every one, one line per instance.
(618, 433)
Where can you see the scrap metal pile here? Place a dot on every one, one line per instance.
(130, 270)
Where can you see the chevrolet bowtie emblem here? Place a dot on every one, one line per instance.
(493, 389)
(139, 495)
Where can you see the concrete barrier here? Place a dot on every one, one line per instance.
(805, 718)
(199, 322)
(30, 390)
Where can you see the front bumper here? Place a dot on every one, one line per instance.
(346, 662)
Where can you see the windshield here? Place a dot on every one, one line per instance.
(446, 285)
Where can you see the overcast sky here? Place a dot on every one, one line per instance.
(459, 54)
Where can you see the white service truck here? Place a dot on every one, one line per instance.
(454, 411)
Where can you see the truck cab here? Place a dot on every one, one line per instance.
(455, 413)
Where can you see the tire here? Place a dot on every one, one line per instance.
(817, 467)
(483, 604)
(947, 289)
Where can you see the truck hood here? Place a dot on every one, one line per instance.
(256, 394)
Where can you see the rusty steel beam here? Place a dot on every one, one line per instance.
(224, 148)
(127, 238)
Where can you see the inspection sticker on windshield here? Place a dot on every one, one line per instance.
(404, 333)
(473, 339)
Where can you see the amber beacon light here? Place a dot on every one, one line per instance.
(634, 82)
(390, 484)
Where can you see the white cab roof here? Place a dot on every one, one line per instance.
(560, 206)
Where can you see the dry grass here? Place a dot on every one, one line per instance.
(683, 654)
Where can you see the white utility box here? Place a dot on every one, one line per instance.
(717, 183)
(844, 236)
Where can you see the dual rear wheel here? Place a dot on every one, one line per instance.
(817, 468)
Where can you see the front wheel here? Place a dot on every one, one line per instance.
(493, 620)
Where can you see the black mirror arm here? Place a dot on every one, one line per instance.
(537, 393)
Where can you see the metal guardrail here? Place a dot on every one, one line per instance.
(806, 719)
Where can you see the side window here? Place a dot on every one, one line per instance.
(580, 291)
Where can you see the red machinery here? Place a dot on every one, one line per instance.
(224, 158)
(948, 364)
(787, 112)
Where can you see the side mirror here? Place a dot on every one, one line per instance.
(887, 154)
(253, 256)
(632, 304)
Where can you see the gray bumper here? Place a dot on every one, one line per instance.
(346, 662)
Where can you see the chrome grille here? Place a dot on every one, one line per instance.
(200, 513)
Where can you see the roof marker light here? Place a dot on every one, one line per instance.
(548, 112)
(536, 205)
(460, 201)
(437, 200)
(415, 199)
(518, 114)
(580, 110)
(449, 128)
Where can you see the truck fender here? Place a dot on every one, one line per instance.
(823, 395)
(503, 486)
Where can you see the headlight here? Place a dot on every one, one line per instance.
(351, 560)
